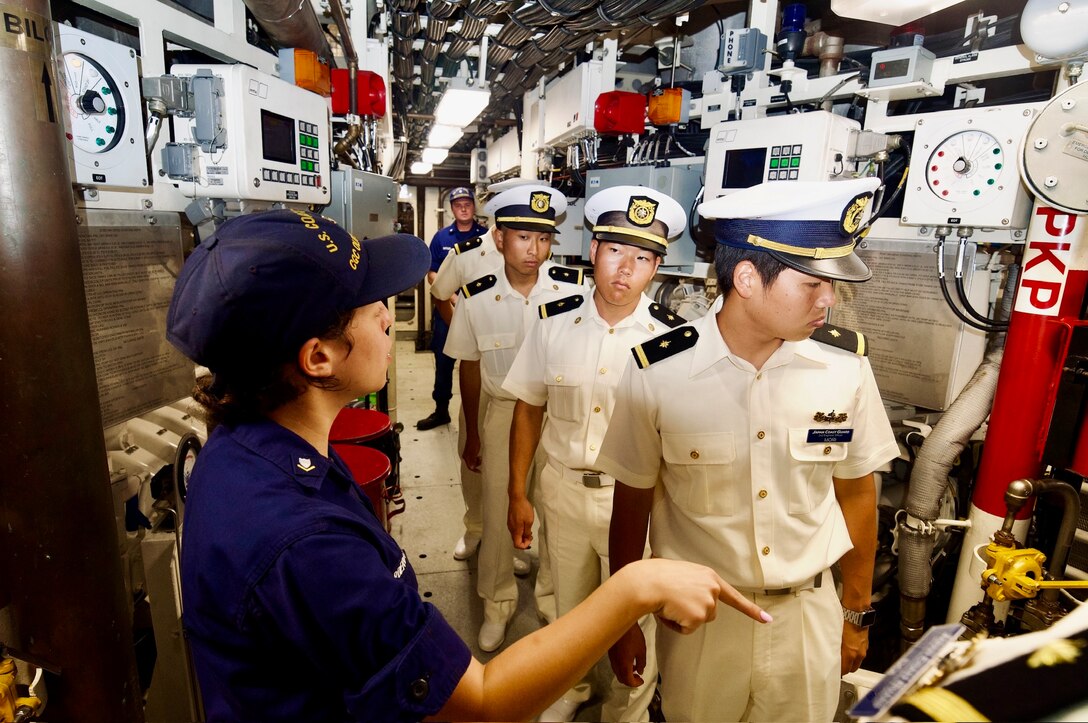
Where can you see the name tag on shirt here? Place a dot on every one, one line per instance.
(830, 435)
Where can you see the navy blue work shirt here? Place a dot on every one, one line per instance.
(298, 605)
(445, 238)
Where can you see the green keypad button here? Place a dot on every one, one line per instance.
(795, 161)
(774, 163)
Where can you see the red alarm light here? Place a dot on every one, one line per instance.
(369, 88)
(618, 112)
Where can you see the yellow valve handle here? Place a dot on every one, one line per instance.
(1082, 584)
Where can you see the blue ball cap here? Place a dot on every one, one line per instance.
(461, 192)
(265, 282)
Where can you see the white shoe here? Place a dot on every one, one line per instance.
(492, 636)
(561, 710)
(522, 567)
(466, 546)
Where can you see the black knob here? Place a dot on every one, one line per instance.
(91, 102)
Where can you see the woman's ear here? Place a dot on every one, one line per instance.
(315, 358)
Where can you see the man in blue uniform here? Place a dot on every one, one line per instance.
(463, 228)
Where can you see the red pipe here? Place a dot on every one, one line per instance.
(1048, 301)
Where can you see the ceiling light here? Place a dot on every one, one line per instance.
(461, 103)
(404, 194)
(888, 13)
(444, 136)
(420, 168)
(435, 156)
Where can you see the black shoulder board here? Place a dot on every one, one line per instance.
(481, 284)
(571, 276)
(665, 316)
(664, 346)
(837, 336)
(554, 308)
(467, 245)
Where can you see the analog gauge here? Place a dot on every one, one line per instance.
(94, 104)
(965, 166)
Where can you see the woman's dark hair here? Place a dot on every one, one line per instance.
(264, 385)
(726, 259)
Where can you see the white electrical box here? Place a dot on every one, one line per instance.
(105, 118)
(503, 154)
(894, 66)
(963, 169)
(251, 136)
(795, 147)
(569, 103)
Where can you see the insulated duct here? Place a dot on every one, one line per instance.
(291, 24)
(929, 479)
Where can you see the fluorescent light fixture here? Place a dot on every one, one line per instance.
(895, 13)
(435, 156)
(444, 136)
(461, 103)
(420, 168)
(404, 194)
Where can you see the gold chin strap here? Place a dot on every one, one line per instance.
(623, 230)
(835, 252)
(525, 219)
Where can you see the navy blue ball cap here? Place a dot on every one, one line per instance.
(461, 192)
(265, 282)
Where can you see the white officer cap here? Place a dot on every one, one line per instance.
(635, 215)
(811, 226)
(531, 207)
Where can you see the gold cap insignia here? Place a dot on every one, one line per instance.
(641, 211)
(540, 202)
(853, 213)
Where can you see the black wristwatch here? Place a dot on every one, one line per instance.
(863, 618)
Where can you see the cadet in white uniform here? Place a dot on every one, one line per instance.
(571, 362)
(488, 326)
(765, 442)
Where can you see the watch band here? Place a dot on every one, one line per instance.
(861, 618)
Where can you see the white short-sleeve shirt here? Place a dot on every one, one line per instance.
(746, 456)
(461, 267)
(572, 361)
(489, 325)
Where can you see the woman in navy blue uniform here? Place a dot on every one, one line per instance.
(298, 605)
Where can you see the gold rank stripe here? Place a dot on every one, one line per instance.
(640, 354)
(943, 704)
(835, 252)
(861, 344)
(632, 232)
(525, 219)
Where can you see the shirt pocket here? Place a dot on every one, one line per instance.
(565, 391)
(810, 470)
(702, 475)
(497, 352)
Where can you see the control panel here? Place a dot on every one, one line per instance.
(249, 135)
(807, 147)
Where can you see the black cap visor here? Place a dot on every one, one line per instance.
(641, 243)
(844, 268)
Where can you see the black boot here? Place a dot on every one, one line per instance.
(440, 416)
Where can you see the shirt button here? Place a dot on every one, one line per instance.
(498, 297)
(759, 376)
(496, 345)
(559, 378)
(578, 320)
(555, 287)
(611, 331)
(766, 551)
(419, 689)
(760, 434)
(526, 302)
(695, 454)
(827, 450)
(597, 410)
(762, 494)
(603, 370)
(651, 327)
(592, 448)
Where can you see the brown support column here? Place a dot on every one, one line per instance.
(59, 554)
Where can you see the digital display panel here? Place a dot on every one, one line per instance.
(744, 167)
(891, 69)
(277, 137)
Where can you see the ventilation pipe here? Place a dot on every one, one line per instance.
(291, 24)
